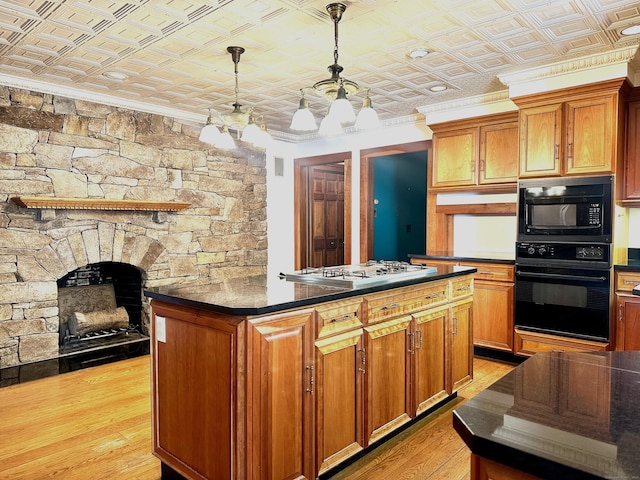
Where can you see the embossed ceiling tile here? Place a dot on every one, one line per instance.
(573, 29)
(494, 63)
(503, 27)
(457, 72)
(439, 61)
(473, 13)
(587, 42)
(524, 41)
(538, 54)
(555, 13)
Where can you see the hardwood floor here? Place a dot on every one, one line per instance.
(95, 424)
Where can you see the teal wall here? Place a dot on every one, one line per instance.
(400, 188)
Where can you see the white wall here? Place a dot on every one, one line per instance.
(280, 209)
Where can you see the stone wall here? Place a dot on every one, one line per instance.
(59, 147)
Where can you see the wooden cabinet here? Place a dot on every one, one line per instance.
(632, 153)
(493, 302)
(627, 311)
(339, 370)
(573, 132)
(530, 343)
(280, 388)
(295, 393)
(475, 153)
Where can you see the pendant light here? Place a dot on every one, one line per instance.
(336, 90)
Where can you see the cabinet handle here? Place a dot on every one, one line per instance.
(556, 151)
(455, 326)
(419, 344)
(412, 342)
(462, 289)
(363, 360)
(569, 150)
(433, 295)
(341, 319)
(482, 272)
(621, 312)
(389, 307)
(631, 282)
(311, 379)
(473, 166)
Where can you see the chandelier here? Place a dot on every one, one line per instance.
(336, 91)
(242, 122)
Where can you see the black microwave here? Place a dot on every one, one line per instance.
(565, 209)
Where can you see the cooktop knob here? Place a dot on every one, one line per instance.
(531, 250)
(542, 250)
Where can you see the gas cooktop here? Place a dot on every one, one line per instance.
(361, 275)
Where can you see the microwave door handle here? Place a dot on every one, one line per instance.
(557, 276)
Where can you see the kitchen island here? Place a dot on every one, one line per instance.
(558, 415)
(265, 378)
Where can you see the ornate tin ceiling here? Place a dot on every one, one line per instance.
(174, 51)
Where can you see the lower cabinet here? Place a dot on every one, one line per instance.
(292, 395)
(627, 311)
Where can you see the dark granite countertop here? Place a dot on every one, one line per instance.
(560, 415)
(490, 258)
(260, 295)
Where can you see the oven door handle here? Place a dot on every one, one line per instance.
(557, 276)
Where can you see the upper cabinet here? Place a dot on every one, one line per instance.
(571, 132)
(479, 152)
(632, 154)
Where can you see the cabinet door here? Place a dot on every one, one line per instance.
(493, 315)
(628, 323)
(455, 157)
(387, 399)
(429, 374)
(338, 396)
(632, 154)
(540, 141)
(281, 386)
(195, 394)
(498, 153)
(590, 135)
(461, 325)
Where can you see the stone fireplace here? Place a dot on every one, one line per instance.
(124, 171)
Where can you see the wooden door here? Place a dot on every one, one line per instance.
(455, 158)
(281, 387)
(326, 215)
(461, 344)
(541, 141)
(632, 154)
(590, 144)
(493, 315)
(338, 397)
(387, 399)
(628, 323)
(498, 153)
(429, 375)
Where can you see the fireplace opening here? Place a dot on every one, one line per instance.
(100, 306)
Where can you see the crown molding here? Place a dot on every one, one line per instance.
(32, 84)
(617, 63)
(469, 107)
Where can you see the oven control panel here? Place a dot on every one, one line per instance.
(563, 251)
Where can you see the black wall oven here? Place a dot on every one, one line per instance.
(565, 209)
(563, 289)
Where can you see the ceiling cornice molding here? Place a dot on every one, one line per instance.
(570, 73)
(470, 107)
(103, 99)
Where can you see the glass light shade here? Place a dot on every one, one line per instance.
(303, 120)
(342, 109)
(209, 134)
(263, 139)
(225, 141)
(250, 133)
(330, 126)
(367, 116)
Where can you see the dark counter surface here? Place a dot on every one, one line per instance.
(560, 415)
(489, 258)
(261, 294)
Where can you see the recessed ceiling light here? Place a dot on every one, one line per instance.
(438, 88)
(417, 53)
(632, 30)
(116, 75)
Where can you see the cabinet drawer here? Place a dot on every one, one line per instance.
(461, 287)
(492, 271)
(338, 317)
(529, 343)
(625, 281)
